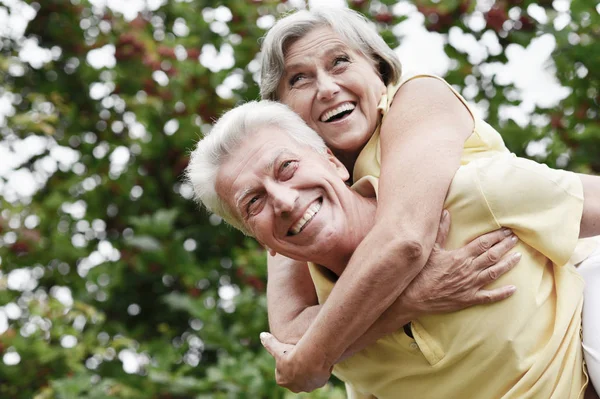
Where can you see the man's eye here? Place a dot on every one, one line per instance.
(287, 168)
(253, 205)
(286, 165)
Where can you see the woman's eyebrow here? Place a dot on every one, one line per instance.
(292, 68)
(337, 47)
(326, 50)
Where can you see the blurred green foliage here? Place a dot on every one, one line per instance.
(112, 282)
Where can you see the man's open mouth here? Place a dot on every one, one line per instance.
(310, 213)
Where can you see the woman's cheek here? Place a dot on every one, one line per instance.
(300, 105)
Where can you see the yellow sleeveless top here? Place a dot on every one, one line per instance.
(483, 142)
(527, 346)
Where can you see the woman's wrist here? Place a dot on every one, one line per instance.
(307, 358)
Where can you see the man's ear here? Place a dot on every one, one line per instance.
(270, 251)
(338, 165)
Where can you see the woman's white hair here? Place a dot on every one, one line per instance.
(356, 30)
(227, 134)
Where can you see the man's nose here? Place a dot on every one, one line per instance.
(283, 198)
(326, 86)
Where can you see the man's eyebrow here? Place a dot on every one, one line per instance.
(271, 164)
(250, 190)
(241, 199)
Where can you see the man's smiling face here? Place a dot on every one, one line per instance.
(291, 198)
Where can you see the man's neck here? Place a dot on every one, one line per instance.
(362, 219)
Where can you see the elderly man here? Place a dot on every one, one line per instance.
(267, 174)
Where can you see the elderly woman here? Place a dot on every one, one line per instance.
(268, 174)
(332, 68)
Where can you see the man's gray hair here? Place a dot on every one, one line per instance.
(356, 30)
(227, 134)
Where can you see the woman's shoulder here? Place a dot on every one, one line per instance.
(428, 86)
(393, 88)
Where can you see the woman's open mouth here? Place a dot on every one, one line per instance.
(338, 112)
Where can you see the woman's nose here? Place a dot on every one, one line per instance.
(326, 86)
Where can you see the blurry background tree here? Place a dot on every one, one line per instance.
(112, 282)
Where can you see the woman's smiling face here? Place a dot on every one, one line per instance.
(334, 88)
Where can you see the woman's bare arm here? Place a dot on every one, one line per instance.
(422, 138)
(291, 298)
(590, 220)
(450, 281)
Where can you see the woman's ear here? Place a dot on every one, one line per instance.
(338, 165)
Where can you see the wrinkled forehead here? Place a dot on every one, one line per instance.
(253, 159)
(321, 43)
(316, 32)
(323, 34)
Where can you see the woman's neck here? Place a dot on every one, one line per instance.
(348, 158)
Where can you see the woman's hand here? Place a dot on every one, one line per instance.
(291, 373)
(453, 280)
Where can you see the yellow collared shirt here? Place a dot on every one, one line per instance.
(527, 346)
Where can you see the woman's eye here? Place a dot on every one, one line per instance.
(296, 78)
(339, 60)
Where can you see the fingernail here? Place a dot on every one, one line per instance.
(512, 288)
(507, 232)
(517, 255)
(263, 336)
(514, 238)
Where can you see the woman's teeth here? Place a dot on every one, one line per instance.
(308, 215)
(345, 107)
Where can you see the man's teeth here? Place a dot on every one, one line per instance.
(342, 108)
(308, 215)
